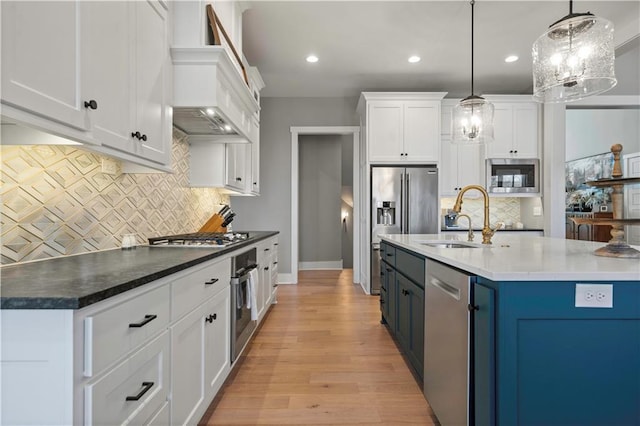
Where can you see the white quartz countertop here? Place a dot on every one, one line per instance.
(525, 258)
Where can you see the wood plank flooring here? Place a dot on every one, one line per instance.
(321, 357)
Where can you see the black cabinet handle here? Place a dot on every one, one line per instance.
(212, 281)
(389, 254)
(472, 308)
(405, 292)
(145, 388)
(211, 318)
(266, 268)
(381, 302)
(147, 319)
(275, 263)
(136, 135)
(239, 179)
(92, 104)
(388, 269)
(255, 183)
(266, 249)
(275, 244)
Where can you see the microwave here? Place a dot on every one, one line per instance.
(510, 176)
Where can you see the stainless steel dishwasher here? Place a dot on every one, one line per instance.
(446, 343)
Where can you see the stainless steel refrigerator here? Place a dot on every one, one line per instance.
(404, 200)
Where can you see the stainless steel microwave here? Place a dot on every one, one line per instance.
(513, 176)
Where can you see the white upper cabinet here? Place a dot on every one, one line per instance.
(225, 166)
(96, 72)
(516, 127)
(461, 165)
(402, 127)
(41, 64)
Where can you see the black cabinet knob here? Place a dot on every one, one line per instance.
(239, 179)
(144, 137)
(92, 104)
(135, 135)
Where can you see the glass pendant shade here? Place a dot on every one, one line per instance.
(574, 59)
(472, 121)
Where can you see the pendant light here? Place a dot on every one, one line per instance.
(574, 58)
(472, 117)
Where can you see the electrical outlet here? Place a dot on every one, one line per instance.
(537, 211)
(109, 166)
(594, 295)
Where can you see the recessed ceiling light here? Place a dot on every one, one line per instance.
(210, 112)
(413, 59)
(227, 127)
(312, 59)
(511, 58)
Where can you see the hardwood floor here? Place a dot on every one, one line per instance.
(321, 357)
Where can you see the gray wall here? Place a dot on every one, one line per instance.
(272, 209)
(347, 201)
(593, 131)
(320, 175)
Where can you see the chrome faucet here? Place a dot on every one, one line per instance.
(487, 232)
(470, 233)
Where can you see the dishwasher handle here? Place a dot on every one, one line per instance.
(446, 288)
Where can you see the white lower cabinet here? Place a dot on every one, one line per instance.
(154, 355)
(200, 351)
(133, 391)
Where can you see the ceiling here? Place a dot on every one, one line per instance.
(364, 45)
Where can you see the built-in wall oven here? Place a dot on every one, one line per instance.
(241, 324)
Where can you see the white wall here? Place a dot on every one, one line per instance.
(272, 209)
(593, 131)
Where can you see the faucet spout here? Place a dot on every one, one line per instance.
(470, 231)
(487, 232)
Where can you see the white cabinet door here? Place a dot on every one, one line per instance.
(470, 166)
(525, 123)
(188, 367)
(421, 131)
(515, 131)
(502, 145)
(448, 169)
(255, 164)
(385, 131)
(106, 63)
(236, 166)
(41, 47)
(151, 52)
(461, 165)
(217, 337)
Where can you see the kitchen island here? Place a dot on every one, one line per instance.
(535, 357)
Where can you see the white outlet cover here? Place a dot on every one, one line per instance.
(594, 296)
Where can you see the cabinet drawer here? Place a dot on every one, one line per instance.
(111, 333)
(388, 254)
(411, 266)
(134, 391)
(190, 290)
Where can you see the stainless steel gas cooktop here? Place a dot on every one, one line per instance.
(200, 239)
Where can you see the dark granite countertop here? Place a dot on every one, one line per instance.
(73, 282)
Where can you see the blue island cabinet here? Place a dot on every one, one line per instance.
(402, 278)
(539, 360)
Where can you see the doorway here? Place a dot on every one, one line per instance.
(353, 218)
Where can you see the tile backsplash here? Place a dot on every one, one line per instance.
(56, 201)
(500, 210)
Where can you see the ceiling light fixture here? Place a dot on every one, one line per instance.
(413, 59)
(472, 120)
(574, 58)
(511, 58)
(312, 59)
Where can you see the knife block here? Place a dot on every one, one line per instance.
(214, 224)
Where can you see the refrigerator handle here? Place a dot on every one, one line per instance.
(406, 205)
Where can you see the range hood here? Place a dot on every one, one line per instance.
(212, 101)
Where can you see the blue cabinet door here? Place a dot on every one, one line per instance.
(483, 362)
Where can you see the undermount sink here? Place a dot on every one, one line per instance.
(450, 244)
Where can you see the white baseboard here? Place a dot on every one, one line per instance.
(315, 266)
(286, 279)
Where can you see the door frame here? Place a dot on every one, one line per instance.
(324, 130)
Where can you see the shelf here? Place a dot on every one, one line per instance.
(604, 221)
(613, 181)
